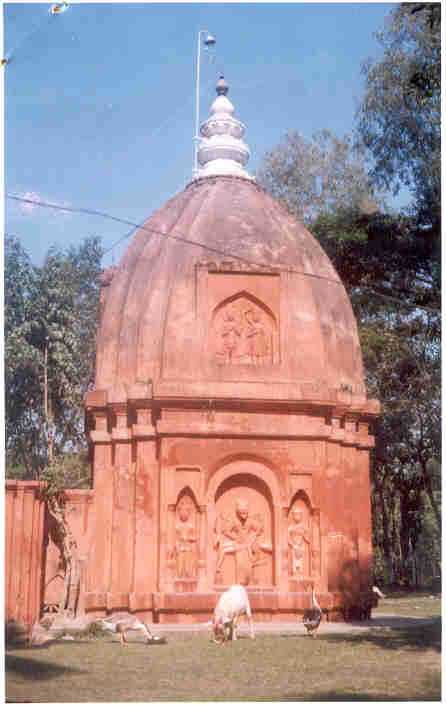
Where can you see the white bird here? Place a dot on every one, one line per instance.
(123, 622)
(379, 593)
(312, 616)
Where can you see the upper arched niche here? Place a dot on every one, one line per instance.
(244, 332)
(170, 295)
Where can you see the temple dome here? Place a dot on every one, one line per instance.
(222, 293)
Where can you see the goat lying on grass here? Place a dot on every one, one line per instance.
(232, 604)
(123, 622)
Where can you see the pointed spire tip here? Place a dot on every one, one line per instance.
(222, 87)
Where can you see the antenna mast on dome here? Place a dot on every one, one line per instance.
(209, 41)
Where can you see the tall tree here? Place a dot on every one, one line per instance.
(23, 363)
(390, 271)
(399, 118)
(316, 176)
(50, 327)
(49, 346)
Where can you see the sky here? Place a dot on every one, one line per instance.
(99, 100)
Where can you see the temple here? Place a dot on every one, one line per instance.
(229, 424)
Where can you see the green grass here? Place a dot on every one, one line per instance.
(382, 665)
(415, 605)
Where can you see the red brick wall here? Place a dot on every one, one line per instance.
(24, 521)
(32, 574)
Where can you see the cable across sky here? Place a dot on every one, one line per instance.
(183, 239)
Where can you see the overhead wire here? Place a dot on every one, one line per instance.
(47, 18)
(209, 248)
(177, 237)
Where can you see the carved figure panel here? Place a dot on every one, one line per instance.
(299, 539)
(185, 551)
(243, 538)
(243, 332)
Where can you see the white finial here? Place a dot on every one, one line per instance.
(221, 150)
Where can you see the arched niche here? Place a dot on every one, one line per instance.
(184, 537)
(243, 332)
(303, 539)
(243, 504)
(186, 493)
(302, 502)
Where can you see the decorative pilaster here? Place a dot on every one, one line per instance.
(99, 568)
(123, 528)
(146, 550)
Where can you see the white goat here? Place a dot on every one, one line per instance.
(123, 622)
(232, 604)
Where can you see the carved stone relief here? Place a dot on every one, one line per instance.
(243, 333)
(185, 554)
(242, 541)
(299, 544)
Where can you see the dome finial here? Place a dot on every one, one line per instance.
(222, 87)
(221, 150)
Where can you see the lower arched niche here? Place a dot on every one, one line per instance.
(243, 532)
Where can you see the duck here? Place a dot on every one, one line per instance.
(312, 616)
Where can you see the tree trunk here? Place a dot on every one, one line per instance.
(396, 542)
(430, 494)
(386, 540)
(68, 552)
(47, 405)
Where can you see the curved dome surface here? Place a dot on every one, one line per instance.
(254, 309)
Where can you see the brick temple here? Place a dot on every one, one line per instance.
(229, 424)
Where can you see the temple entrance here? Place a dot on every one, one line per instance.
(243, 532)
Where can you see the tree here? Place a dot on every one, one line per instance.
(316, 176)
(390, 271)
(399, 118)
(22, 362)
(50, 325)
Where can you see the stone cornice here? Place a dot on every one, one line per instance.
(354, 408)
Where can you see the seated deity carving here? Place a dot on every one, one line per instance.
(185, 548)
(299, 543)
(241, 534)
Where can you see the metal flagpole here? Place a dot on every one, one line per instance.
(209, 41)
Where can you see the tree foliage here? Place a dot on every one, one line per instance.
(316, 176)
(390, 271)
(399, 118)
(50, 327)
(50, 324)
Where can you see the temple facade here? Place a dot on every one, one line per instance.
(229, 424)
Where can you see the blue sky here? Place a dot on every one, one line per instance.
(99, 101)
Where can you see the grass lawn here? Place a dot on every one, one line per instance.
(379, 665)
(415, 605)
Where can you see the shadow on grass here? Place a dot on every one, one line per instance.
(396, 621)
(37, 670)
(422, 637)
(431, 693)
(335, 696)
